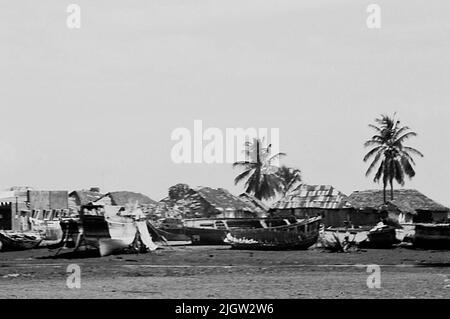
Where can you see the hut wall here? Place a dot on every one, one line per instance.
(440, 217)
(366, 217)
(424, 216)
(335, 217)
(6, 216)
(330, 217)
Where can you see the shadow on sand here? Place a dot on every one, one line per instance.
(74, 254)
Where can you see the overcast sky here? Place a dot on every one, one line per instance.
(96, 106)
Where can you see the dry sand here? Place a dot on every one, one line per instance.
(218, 272)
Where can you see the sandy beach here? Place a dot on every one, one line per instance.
(218, 272)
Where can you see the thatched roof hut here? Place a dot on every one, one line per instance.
(313, 200)
(84, 197)
(207, 202)
(313, 196)
(122, 198)
(258, 206)
(409, 204)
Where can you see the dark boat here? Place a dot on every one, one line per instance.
(168, 238)
(296, 236)
(11, 241)
(213, 231)
(434, 236)
(381, 236)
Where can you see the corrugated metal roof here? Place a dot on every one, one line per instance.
(313, 196)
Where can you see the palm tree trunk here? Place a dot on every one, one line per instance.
(384, 193)
(392, 189)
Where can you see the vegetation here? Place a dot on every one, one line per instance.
(259, 175)
(391, 158)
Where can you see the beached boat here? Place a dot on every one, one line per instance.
(172, 231)
(50, 230)
(342, 238)
(299, 235)
(11, 240)
(434, 236)
(109, 229)
(213, 231)
(380, 236)
(168, 238)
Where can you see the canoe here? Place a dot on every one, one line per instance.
(381, 236)
(297, 236)
(12, 241)
(342, 239)
(177, 238)
(432, 236)
(213, 231)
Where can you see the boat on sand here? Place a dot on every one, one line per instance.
(299, 235)
(12, 240)
(111, 229)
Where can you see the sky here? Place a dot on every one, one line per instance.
(96, 106)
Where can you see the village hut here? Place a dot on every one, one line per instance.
(315, 200)
(83, 197)
(257, 205)
(408, 206)
(18, 205)
(207, 202)
(123, 198)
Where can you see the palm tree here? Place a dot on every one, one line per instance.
(394, 159)
(289, 177)
(260, 175)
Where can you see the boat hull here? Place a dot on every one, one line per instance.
(381, 238)
(432, 236)
(298, 236)
(115, 233)
(201, 236)
(171, 238)
(13, 241)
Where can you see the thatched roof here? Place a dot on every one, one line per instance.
(206, 201)
(123, 198)
(313, 196)
(84, 197)
(257, 205)
(406, 200)
(222, 200)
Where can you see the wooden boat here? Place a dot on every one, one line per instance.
(434, 236)
(296, 236)
(11, 241)
(381, 236)
(342, 238)
(172, 231)
(105, 229)
(50, 230)
(168, 238)
(213, 231)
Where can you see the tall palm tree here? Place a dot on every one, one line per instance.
(394, 159)
(260, 175)
(289, 177)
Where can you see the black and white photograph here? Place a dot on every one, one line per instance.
(218, 150)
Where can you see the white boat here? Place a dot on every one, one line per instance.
(110, 229)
